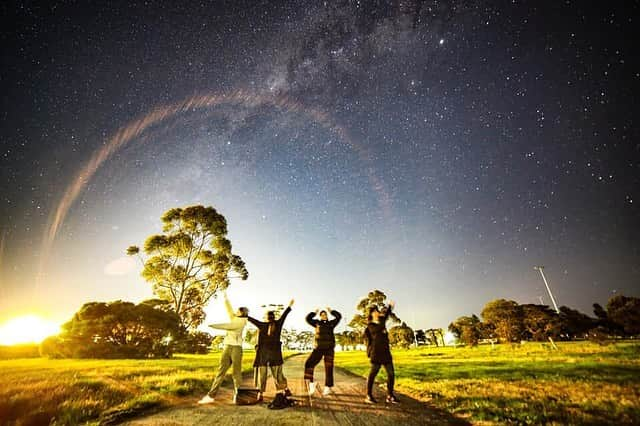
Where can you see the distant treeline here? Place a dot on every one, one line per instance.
(507, 321)
(27, 350)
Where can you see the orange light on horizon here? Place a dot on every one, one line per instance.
(27, 329)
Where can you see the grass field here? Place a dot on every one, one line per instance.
(580, 383)
(33, 391)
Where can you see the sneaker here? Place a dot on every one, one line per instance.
(327, 391)
(370, 399)
(206, 400)
(312, 388)
(391, 399)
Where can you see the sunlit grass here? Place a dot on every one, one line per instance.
(580, 383)
(38, 391)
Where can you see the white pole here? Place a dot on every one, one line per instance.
(555, 305)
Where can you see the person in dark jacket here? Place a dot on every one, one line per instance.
(269, 352)
(324, 347)
(377, 340)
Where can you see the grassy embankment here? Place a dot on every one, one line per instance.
(35, 390)
(580, 383)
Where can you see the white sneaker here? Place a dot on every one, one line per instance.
(327, 391)
(206, 400)
(312, 388)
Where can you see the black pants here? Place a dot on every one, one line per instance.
(314, 359)
(374, 372)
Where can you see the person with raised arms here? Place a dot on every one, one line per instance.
(269, 351)
(232, 353)
(378, 351)
(324, 347)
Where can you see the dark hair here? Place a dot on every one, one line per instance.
(244, 312)
(271, 316)
(323, 312)
(372, 309)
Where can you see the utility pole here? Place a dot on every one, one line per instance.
(555, 305)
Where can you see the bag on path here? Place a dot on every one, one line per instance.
(280, 402)
(247, 396)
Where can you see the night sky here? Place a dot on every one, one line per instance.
(434, 151)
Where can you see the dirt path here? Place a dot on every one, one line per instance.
(345, 407)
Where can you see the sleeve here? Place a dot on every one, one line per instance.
(233, 325)
(386, 315)
(310, 319)
(284, 315)
(255, 322)
(337, 317)
(227, 305)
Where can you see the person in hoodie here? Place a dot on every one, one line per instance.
(269, 351)
(232, 353)
(378, 351)
(324, 347)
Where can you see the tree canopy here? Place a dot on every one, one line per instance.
(116, 330)
(190, 261)
(401, 336)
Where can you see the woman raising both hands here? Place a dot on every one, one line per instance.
(269, 350)
(378, 351)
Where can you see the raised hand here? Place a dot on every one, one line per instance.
(392, 304)
(291, 303)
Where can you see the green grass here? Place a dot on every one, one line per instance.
(71, 392)
(580, 383)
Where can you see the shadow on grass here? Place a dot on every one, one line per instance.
(546, 411)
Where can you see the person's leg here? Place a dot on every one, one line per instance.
(225, 363)
(391, 377)
(328, 368)
(236, 365)
(261, 378)
(311, 363)
(278, 377)
(372, 378)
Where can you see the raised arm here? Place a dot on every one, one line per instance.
(337, 316)
(284, 315)
(233, 325)
(388, 311)
(256, 322)
(227, 305)
(310, 319)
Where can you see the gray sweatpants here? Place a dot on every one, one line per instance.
(260, 377)
(231, 357)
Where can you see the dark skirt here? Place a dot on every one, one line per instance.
(268, 355)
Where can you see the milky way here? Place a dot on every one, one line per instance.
(433, 150)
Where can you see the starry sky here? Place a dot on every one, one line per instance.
(434, 150)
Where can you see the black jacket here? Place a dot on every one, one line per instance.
(377, 339)
(268, 351)
(324, 330)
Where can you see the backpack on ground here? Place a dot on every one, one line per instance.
(281, 401)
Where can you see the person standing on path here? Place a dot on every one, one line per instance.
(269, 351)
(325, 343)
(378, 351)
(232, 353)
